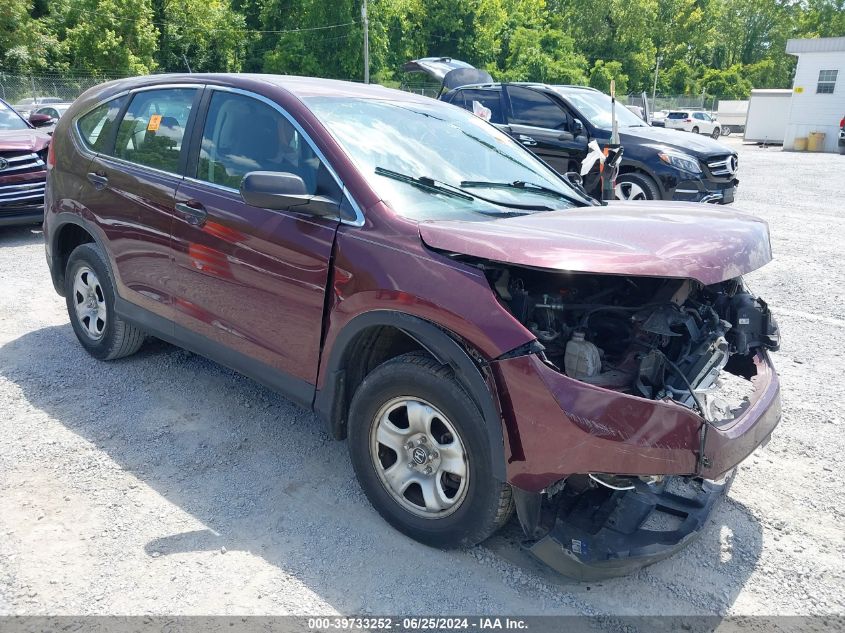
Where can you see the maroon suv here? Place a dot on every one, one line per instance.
(23, 153)
(484, 335)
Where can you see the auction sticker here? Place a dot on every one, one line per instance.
(155, 122)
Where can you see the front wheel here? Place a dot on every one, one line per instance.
(635, 187)
(716, 133)
(420, 449)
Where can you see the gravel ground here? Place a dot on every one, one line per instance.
(166, 484)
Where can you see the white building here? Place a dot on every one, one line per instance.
(818, 92)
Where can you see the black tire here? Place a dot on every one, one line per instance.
(118, 338)
(716, 133)
(695, 130)
(648, 186)
(487, 503)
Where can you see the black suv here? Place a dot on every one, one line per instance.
(557, 123)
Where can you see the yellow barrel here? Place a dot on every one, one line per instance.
(800, 144)
(816, 142)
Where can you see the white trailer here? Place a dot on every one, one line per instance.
(732, 116)
(768, 115)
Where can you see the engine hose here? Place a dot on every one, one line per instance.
(687, 383)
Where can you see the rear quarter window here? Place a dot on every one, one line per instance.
(95, 128)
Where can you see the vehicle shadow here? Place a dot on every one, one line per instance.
(20, 235)
(263, 476)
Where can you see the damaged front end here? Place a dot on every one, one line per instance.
(639, 393)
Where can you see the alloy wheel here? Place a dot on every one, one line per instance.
(629, 191)
(90, 303)
(419, 457)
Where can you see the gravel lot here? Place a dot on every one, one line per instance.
(166, 484)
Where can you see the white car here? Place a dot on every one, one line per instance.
(694, 121)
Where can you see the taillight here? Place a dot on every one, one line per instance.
(51, 157)
(687, 120)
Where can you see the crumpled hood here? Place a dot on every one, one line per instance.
(15, 140)
(697, 144)
(658, 239)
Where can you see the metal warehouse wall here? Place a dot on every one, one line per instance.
(812, 112)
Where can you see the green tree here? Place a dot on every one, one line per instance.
(113, 36)
(603, 72)
(726, 84)
(208, 33)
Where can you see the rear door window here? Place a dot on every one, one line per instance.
(489, 98)
(97, 127)
(153, 128)
(529, 107)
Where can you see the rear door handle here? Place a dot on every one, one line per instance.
(100, 181)
(527, 140)
(193, 215)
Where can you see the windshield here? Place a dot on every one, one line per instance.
(395, 142)
(596, 107)
(9, 119)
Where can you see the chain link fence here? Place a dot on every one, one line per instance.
(674, 102)
(27, 90)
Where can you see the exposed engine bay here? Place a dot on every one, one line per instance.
(656, 338)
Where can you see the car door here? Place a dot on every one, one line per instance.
(544, 126)
(130, 187)
(700, 120)
(249, 281)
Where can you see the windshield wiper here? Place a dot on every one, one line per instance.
(430, 184)
(424, 182)
(521, 185)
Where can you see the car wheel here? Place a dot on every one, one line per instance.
(635, 187)
(89, 293)
(695, 130)
(727, 131)
(716, 133)
(420, 450)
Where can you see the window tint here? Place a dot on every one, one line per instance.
(488, 98)
(242, 134)
(827, 82)
(677, 115)
(97, 126)
(533, 108)
(152, 129)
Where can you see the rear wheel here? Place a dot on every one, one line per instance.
(420, 450)
(695, 130)
(635, 187)
(89, 293)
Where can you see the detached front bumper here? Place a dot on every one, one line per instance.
(557, 426)
(601, 533)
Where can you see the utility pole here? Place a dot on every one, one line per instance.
(366, 23)
(654, 89)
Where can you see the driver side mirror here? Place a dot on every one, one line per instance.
(577, 127)
(40, 120)
(282, 191)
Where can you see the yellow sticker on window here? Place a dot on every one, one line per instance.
(155, 122)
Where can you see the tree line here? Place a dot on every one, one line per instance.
(721, 47)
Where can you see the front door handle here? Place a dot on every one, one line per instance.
(195, 214)
(100, 181)
(527, 140)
